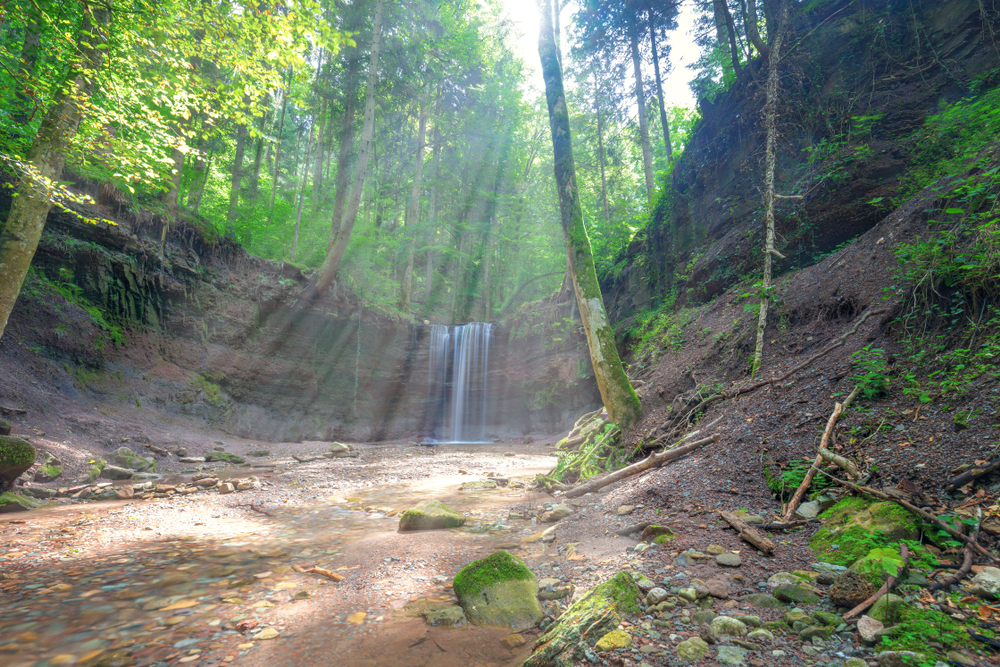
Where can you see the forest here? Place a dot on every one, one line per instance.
(544, 333)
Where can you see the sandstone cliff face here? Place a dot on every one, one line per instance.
(862, 80)
(212, 333)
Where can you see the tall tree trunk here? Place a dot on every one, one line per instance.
(30, 49)
(556, 11)
(640, 101)
(659, 89)
(277, 148)
(620, 400)
(235, 182)
(413, 214)
(346, 149)
(600, 152)
(301, 189)
(770, 114)
(258, 152)
(432, 221)
(320, 152)
(726, 32)
(752, 32)
(336, 254)
(47, 157)
(194, 199)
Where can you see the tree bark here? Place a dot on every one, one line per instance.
(320, 148)
(194, 199)
(336, 254)
(432, 221)
(726, 25)
(752, 32)
(29, 60)
(277, 148)
(770, 115)
(659, 90)
(258, 152)
(413, 214)
(47, 157)
(237, 177)
(640, 101)
(600, 152)
(301, 190)
(620, 400)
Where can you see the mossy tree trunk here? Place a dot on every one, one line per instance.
(47, 157)
(620, 400)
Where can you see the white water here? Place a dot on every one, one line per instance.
(458, 386)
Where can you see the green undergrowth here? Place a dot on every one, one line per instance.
(495, 568)
(655, 331)
(783, 481)
(598, 454)
(36, 285)
(914, 626)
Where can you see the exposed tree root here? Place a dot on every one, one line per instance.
(966, 562)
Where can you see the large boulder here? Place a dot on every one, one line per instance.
(987, 583)
(848, 528)
(587, 620)
(126, 458)
(499, 590)
(430, 515)
(16, 456)
(12, 502)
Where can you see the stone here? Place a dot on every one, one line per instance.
(557, 513)
(226, 457)
(207, 482)
(899, 658)
(126, 458)
(244, 485)
(727, 626)
(191, 459)
(728, 560)
(764, 601)
(886, 608)
(499, 590)
(868, 627)
(266, 633)
(855, 662)
(339, 447)
(430, 515)
(847, 525)
(821, 631)
(644, 583)
(826, 578)
(125, 493)
(717, 589)
(703, 616)
(226, 487)
(689, 593)
(13, 502)
(986, 584)
(715, 549)
(782, 578)
(451, 616)
(796, 616)
(749, 621)
(731, 655)
(553, 589)
(625, 510)
(761, 634)
(692, 650)
(701, 590)
(16, 456)
(795, 594)
(114, 472)
(50, 470)
(878, 564)
(599, 611)
(755, 520)
(513, 641)
(826, 618)
(808, 510)
(657, 595)
(827, 567)
(652, 533)
(851, 589)
(961, 658)
(478, 485)
(613, 640)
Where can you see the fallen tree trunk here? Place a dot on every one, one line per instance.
(972, 474)
(966, 562)
(785, 525)
(651, 461)
(886, 587)
(747, 533)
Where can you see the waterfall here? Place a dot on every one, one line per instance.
(458, 387)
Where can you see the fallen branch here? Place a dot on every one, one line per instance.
(13, 411)
(971, 474)
(690, 435)
(886, 587)
(926, 516)
(833, 346)
(628, 530)
(651, 461)
(966, 563)
(747, 533)
(785, 525)
(982, 638)
(325, 573)
(259, 510)
(823, 447)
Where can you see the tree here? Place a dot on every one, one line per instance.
(47, 156)
(620, 399)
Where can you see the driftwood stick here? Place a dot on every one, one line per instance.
(651, 461)
(971, 474)
(926, 516)
(747, 533)
(886, 587)
(966, 563)
(830, 348)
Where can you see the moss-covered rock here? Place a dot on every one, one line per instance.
(888, 609)
(855, 526)
(126, 458)
(12, 502)
(878, 565)
(796, 594)
(765, 601)
(587, 620)
(499, 590)
(613, 640)
(16, 456)
(228, 457)
(430, 515)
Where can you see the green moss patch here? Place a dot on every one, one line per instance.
(495, 568)
(915, 626)
(879, 564)
(430, 515)
(16, 456)
(12, 502)
(855, 526)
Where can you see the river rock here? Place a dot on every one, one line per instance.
(851, 589)
(650, 533)
(126, 458)
(899, 658)
(452, 616)
(717, 589)
(727, 626)
(555, 514)
(868, 627)
(795, 594)
(692, 650)
(16, 456)
(478, 485)
(125, 493)
(765, 601)
(595, 614)
(226, 487)
(114, 472)
(761, 634)
(625, 510)
(191, 459)
(728, 560)
(430, 515)
(986, 584)
(886, 608)
(782, 578)
(13, 502)
(656, 596)
(498, 590)
(513, 641)
(613, 640)
(731, 655)
(553, 589)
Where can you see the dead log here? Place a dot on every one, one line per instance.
(926, 516)
(747, 533)
(966, 562)
(886, 587)
(971, 474)
(651, 461)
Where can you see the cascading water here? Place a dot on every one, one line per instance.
(458, 381)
